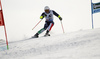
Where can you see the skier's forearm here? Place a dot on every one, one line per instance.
(42, 16)
(56, 14)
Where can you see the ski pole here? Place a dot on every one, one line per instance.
(62, 27)
(36, 24)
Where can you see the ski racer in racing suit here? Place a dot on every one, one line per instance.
(48, 14)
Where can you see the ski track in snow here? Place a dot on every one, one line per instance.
(75, 45)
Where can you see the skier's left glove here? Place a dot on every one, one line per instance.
(60, 18)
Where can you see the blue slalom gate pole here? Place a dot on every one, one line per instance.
(92, 14)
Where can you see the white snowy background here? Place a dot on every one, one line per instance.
(22, 15)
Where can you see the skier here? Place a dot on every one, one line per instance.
(48, 14)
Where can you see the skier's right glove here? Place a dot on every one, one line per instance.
(41, 17)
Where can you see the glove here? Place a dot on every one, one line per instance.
(41, 17)
(60, 18)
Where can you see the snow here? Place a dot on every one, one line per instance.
(21, 16)
(84, 44)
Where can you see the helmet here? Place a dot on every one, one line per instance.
(46, 8)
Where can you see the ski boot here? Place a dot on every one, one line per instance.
(36, 35)
(47, 33)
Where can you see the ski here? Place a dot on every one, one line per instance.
(46, 35)
(39, 37)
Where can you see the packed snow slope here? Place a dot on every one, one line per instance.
(84, 44)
